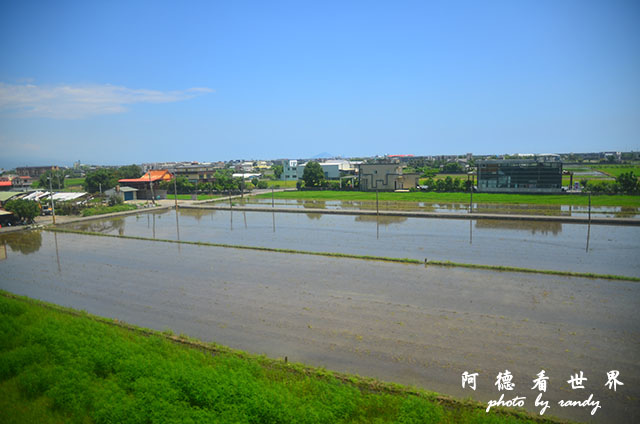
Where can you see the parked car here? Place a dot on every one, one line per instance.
(46, 209)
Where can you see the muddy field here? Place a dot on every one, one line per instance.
(529, 244)
(402, 323)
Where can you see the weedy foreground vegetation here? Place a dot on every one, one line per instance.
(60, 365)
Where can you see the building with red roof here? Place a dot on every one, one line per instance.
(148, 183)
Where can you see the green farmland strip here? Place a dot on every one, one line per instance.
(483, 198)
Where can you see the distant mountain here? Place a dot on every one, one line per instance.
(323, 155)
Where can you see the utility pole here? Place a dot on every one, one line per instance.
(273, 205)
(100, 186)
(175, 192)
(470, 174)
(53, 206)
(153, 198)
(377, 208)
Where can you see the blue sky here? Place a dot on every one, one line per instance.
(130, 82)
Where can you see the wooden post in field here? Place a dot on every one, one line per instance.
(589, 208)
(273, 204)
(153, 198)
(175, 190)
(470, 192)
(53, 206)
(377, 207)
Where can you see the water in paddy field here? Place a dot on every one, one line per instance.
(404, 323)
(528, 244)
(519, 209)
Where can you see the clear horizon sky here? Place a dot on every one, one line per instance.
(120, 82)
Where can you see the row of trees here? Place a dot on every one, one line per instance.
(448, 185)
(57, 179)
(106, 178)
(222, 181)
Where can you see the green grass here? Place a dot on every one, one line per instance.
(362, 257)
(62, 365)
(188, 196)
(483, 198)
(100, 210)
(68, 182)
(282, 184)
(616, 170)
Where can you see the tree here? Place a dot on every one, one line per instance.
(313, 174)
(448, 184)
(277, 171)
(453, 168)
(129, 171)
(628, 183)
(182, 185)
(57, 179)
(24, 210)
(103, 177)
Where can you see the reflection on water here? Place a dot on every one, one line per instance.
(55, 238)
(520, 209)
(382, 220)
(534, 227)
(197, 214)
(112, 226)
(24, 242)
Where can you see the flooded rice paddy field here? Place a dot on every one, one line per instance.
(518, 209)
(398, 322)
(529, 244)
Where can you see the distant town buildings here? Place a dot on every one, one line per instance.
(35, 171)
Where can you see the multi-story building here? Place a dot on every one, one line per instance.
(385, 177)
(541, 174)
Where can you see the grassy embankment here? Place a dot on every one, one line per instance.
(100, 210)
(61, 365)
(485, 198)
(362, 257)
